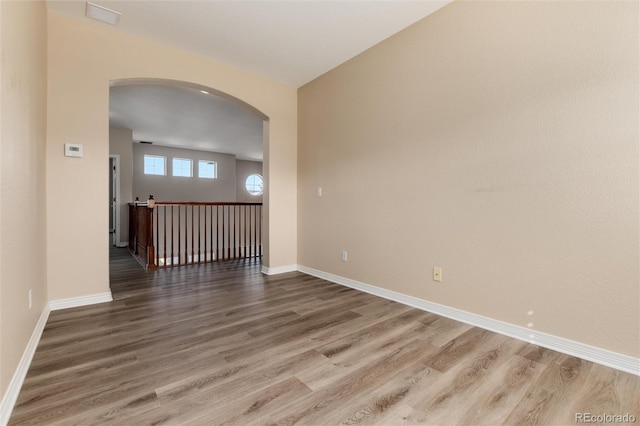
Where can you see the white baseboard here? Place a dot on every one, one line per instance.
(122, 245)
(13, 390)
(279, 269)
(590, 353)
(11, 395)
(73, 302)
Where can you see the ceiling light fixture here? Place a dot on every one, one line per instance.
(204, 91)
(102, 14)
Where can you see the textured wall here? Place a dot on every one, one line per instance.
(499, 141)
(23, 84)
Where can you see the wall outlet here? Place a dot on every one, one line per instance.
(344, 255)
(437, 274)
(30, 299)
(319, 191)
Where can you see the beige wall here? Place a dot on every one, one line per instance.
(120, 143)
(179, 188)
(23, 72)
(243, 170)
(84, 56)
(499, 141)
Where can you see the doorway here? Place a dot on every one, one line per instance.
(114, 199)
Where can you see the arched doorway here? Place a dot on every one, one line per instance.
(188, 125)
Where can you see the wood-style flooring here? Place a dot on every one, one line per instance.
(223, 344)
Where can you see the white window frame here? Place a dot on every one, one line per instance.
(154, 167)
(246, 185)
(215, 169)
(173, 166)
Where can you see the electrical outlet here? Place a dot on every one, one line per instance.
(437, 274)
(319, 191)
(30, 299)
(344, 255)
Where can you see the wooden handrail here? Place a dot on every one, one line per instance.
(204, 203)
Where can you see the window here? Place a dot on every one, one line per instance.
(154, 165)
(182, 167)
(254, 184)
(207, 169)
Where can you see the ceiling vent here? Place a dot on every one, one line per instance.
(102, 14)
(146, 142)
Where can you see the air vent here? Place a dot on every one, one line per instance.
(102, 14)
(147, 142)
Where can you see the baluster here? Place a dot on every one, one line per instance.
(164, 233)
(228, 228)
(172, 227)
(192, 234)
(205, 233)
(156, 243)
(217, 233)
(260, 230)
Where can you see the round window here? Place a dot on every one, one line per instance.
(254, 184)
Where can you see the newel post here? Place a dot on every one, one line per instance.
(151, 256)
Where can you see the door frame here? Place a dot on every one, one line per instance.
(114, 181)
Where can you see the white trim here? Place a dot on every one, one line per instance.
(279, 269)
(590, 353)
(73, 302)
(11, 395)
(116, 193)
(122, 245)
(215, 169)
(173, 166)
(164, 159)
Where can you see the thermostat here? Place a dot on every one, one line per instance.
(72, 150)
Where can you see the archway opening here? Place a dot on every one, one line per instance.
(203, 144)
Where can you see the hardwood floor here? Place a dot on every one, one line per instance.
(223, 344)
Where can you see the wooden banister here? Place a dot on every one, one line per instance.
(174, 233)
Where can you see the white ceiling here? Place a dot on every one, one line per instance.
(291, 41)
(183, 117)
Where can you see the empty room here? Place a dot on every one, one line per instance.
(319, 212)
